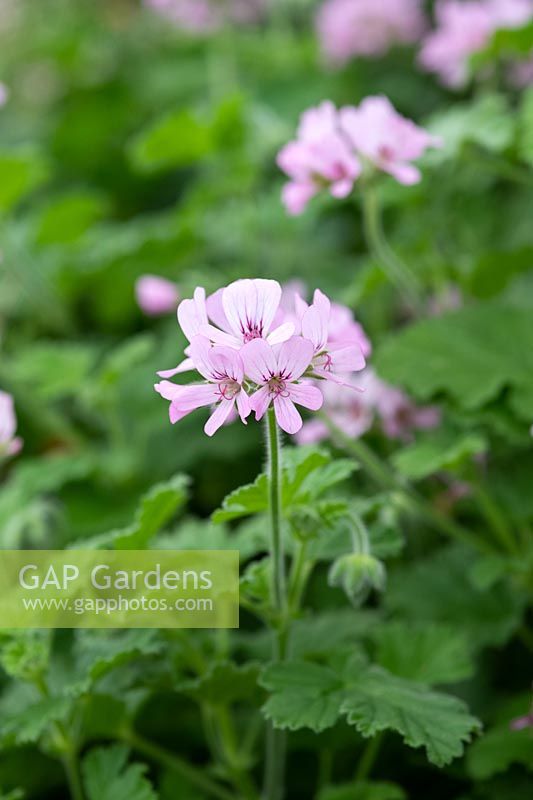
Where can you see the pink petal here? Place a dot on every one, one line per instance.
(186, 365)
(315, 321)
(260, 401)
(243, 405)
(251, 305)
(156, 295)
(259, 360)
(200, 349)
(287, 417)
(192, 314)
(175, 414)
(348, 358)
(215, 310)
(219, 416)
(220, 337)
(226, 362)
(168, 390)
(195, 395)
(306, 395)
(295, 196)
(281, 333)
(294, 357)
(405, 174)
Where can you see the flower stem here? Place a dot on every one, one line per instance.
(397, 271)
(276, 739)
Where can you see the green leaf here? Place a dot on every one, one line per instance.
(429, 654)
(484, 362)
(66, 217)
(22, 171)
(363, 790)
(32, 722)
(25, 654)
(442, 581)
(156, 509)
(108, 776)
(249, 499)
(180, 139)
(53, 369)
(525, 130)
(505, 43)
(16, 794)
(486, 122)
(440, 450)
(100, 652)
(498, 750)
(378, 701)
(224, 683)
(306, 695)
(494, 270)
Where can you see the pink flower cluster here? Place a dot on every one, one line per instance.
(10, 444)
(334, 146)
(253, 353)
(155, 295)
(465, 28)
(206, 16)
(354, 413)
(351, 28)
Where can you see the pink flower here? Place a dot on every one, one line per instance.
(206, 16)
(385, 138)
(349, 28)
(400, 416)
(343, 327)
(521, 723)
(465, 28)
(333, 358)
(320, 158)
(10, 444)
(4, 94)
(449, 299)
(223, 371)
(245, 310)
(277, 373)
(156, 295)
(351, 411)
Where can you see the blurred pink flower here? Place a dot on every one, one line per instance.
(320, 158)
(521, 73)
(465, 28)
(386, 138)
(400, 415)
(4, 94)
(155, 295)
(10, 444)
(334, 358)
(206, 16)
(351, 28)
(521, 723)
(448, 299)
(277, 373)
(223, 371)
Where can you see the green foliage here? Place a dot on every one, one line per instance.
(22, 172)
(363, 790)
(108, 776)
(371, 699)
(439, 451)
(498, 750)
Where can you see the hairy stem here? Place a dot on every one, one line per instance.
(276, 739)
(398, 273)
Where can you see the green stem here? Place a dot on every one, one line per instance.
(398, 273)
(368, 759)
(276, 739)
(300, 570)
(496, 520)
(239, 775)
(195, 776)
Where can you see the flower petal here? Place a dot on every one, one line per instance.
(260, 401)
(200, 349)
(219, 416)
(250, 305)
(196, 395)
(192, 314)
(281, 333)
(226, 362)
(259, 361)
(220, 337)
(287, 416)
(346, 358)
(243, 405)
(306, 395)
(185, 366)
(294, 357)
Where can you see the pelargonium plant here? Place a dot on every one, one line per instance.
(366, 28)
(10, 444)
(155, 295)
(339, 149)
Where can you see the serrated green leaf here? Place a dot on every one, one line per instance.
(378, 701)
(53, 369)
(32, 722)
(304, 695)
(66, 217)
(99, 652)
(25, 654)
(484, 361)
(441, 450)
(429, 654)
(108, 776)
(249, 499)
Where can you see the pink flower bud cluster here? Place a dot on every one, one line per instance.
(10, 444)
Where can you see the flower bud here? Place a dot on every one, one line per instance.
(357, 574)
